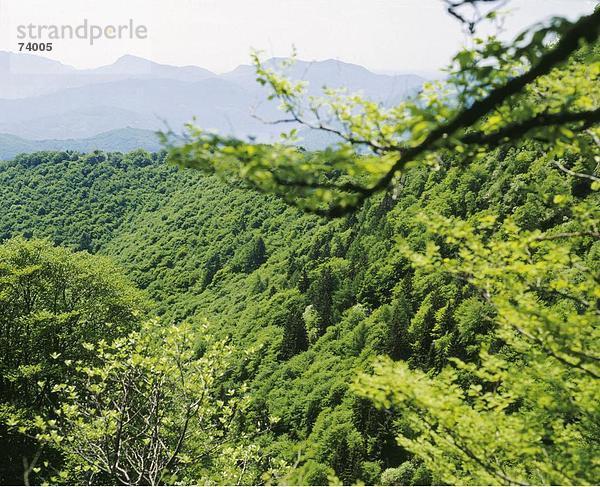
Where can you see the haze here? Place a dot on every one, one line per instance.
(415, 36)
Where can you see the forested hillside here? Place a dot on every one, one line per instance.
(315, 300)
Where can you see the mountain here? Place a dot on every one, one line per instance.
(122, 140)
(44, 99)
(23, 75)
(27, 75)
(150, 104)
(133, 66)
(75, 124)
(332, 73)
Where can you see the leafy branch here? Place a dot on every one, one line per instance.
(587, 28)
(488, 84)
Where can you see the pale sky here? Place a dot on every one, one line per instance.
(391, 35)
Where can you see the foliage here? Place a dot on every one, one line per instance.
(52, 301)
(151, 412)
(380, 303)
(106, 189)
(520, 296)
(526, 410)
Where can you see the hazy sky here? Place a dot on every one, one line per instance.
(395, 35)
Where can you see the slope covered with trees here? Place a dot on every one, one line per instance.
(314, 300)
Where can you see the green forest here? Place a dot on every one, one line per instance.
(416, 306)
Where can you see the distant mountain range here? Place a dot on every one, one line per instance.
(26, 75)
(46, 101)
(120, 140)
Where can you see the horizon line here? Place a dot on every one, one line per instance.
(381, 71)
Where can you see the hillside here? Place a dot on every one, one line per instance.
(312, 301)
(417, 305)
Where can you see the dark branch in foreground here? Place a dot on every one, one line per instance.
(587, 28)
(512, 131)
(517, 130)
(453, 7)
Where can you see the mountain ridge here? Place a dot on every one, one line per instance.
(121, 140)
(63, 102)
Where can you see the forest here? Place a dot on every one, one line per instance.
(418, 305)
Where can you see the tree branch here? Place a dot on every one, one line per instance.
(576, 174)
(519, 129)
(586, 28)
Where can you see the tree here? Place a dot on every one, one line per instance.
(398, 341)
(528, 412)
(212, 266)
(86, 242)
(321, 294)
(294, 339)
(258, 253)
(51, 301)
(250, 257)
(150, 412)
